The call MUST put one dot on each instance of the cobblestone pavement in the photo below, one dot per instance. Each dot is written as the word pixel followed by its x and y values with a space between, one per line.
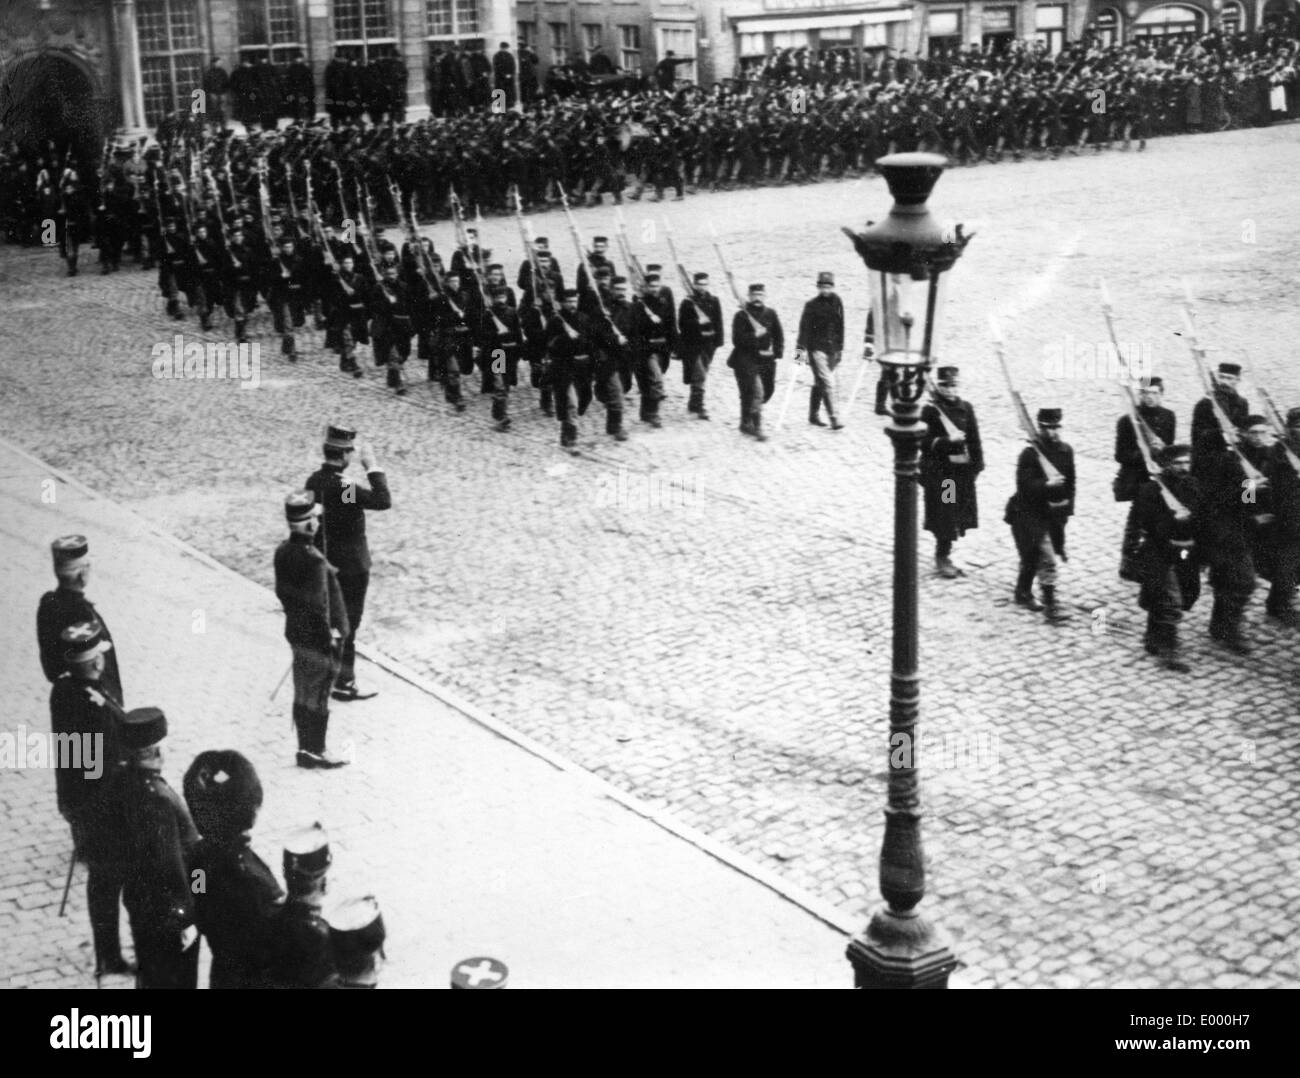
pixel 472 845
pixel 704 621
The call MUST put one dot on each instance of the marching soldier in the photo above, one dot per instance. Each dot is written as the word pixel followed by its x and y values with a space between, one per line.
pixel 342 536
pixel 239 897
pixel 82 704
pixel 239 284
pixel 952 457
pixel 651 328
pixel 454 339
pixel 612 378
pixel 157 836
pixel 301 955
pixel 393 326
pixel 1207 437
pixel 821 339
pixel 1128 455
pixel 67 605
pixel 1166 517
pixel 499 341
pixel 173 267
pixel 1285 481
pixel 356 932
pixel 700 333
pixel 572 345
pixel 1236 508
pixel 347 323
pixel 286 288
pixel 205 274
pixel 757 344
pixel 315 624
pixel 1038 512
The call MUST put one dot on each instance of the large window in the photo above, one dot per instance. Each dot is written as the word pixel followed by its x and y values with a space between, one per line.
pixel 559 42
pixel 944 31
pixel 269 28
pixel 528 34
pixel 680 38
pixel 592 35
pixel 1049 26
pixel 1233 19
pixel 446 19
pixel 171 55
pixel 363 29
pixel 752 45
pixel 1107 27
pixel 629 52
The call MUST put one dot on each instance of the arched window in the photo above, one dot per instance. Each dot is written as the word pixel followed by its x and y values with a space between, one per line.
pixel 1233 19
pixel 1168 20
pixel 1108 27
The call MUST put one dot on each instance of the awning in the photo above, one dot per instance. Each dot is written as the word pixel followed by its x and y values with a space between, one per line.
pixel 819 22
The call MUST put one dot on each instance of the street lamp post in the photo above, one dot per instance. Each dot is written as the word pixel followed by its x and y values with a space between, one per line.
pixel 907 255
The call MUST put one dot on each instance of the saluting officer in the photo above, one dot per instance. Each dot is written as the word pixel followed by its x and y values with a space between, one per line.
pixel 757 343
pixel 67 605
pixel 301 955
pixel 952 457
pixel 342 536
pixel 83 705
pixel 1038 512
pixel 315 624
pixel 239 896
pixel 821 339
pixel 156 836
pixel 700 333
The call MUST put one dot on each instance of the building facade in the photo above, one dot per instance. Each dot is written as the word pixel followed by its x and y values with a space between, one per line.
pixel 633 34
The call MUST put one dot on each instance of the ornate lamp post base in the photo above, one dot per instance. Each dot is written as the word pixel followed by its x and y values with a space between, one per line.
pixel 900 950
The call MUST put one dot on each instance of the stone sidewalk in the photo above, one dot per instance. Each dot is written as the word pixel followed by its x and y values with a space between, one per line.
pixel 475 840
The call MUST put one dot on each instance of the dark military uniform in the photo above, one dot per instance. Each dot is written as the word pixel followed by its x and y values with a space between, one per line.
pixel 1285 481
pixel 949 470
pixel 156 835
pixel 238 895
pixel 59 609
pixel 1167 560
pixel 757 343
pixel 572 345
pixel 315 624
pixel 301 955
pixel 1037 514
pixel 701 332
pixel 342 538
pixel 821 337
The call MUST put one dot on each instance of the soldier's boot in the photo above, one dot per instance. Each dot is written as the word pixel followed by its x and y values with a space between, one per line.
pixel 174 308
pixel 1025 591
pixel 759 436
pixel 304 729
pixel 289 347
pixel 882 396
pixel 1052 607
pixel 1167 649
pixel 815 398
pixel 241 330
pixel 614 426
pixel 1151 639
pixel 102 900
pixel 205 319
pixel 943 561
pixel 500 413
pixel 547 403
pixel 568 435
pixel 324 758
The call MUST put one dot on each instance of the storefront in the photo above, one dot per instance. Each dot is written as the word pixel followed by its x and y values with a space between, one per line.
pixel 848 30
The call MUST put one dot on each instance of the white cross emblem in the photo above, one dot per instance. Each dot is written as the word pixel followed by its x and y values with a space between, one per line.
pixel 484 970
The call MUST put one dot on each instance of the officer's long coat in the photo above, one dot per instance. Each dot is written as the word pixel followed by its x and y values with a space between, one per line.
pixel 951 506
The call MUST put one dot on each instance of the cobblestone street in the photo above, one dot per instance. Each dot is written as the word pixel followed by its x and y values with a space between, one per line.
pixel 704 621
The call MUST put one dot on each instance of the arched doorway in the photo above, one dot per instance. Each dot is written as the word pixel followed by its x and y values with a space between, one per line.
pixel 49 98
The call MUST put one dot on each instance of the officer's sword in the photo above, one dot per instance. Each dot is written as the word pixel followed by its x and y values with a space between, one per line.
pixel 857 384
pixel 67 884
pixel 789 392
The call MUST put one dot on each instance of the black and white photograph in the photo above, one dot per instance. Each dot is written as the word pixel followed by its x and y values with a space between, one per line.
pixel 652 494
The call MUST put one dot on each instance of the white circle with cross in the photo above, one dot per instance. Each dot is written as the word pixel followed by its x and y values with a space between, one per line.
pixel 479 973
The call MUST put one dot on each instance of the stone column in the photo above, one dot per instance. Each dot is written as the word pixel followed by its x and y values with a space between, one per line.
pixel 130 83
pixel 412 34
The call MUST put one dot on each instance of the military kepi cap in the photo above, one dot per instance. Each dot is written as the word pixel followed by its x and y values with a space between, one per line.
pixel 300 506
pixel 569 293
pixel 340 437
pixel 356 934
pixel 84 640
pixel 307 852
pixel 757 289
pixel 946 376
pixel 700 278
pixel 1154 382
pixel 825 278
pixel 1230 368
pixel 142 727
pixel 1049 417
pixel 1171 453
pixel 70 551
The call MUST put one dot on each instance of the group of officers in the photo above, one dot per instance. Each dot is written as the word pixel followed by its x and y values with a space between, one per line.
pixel 183 866
pixel 1226 501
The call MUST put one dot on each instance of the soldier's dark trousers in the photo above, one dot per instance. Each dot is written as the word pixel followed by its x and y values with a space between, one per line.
pixel 354 588
pixel 1164 612
pixel 650 384
pixel 567 384
pixel 314 674
pixel 160 962
pixel 1286 569
pixel 749 381
pixel 695 372
pixel 609 391
pixel 104 882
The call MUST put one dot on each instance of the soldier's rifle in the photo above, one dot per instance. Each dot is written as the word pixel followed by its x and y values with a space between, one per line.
pixel 578 245
pixel 264 201
pixel 541 283
pixel 1050 471
pixel 422 256
pixel 293 205
pixel 759 328
pixel 1148 445
pixel 1231 436
pixel 367 240
pixel 950 429
pixel 1279 427
pixel 1147 438
pixel 633 263
pixel 687 283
